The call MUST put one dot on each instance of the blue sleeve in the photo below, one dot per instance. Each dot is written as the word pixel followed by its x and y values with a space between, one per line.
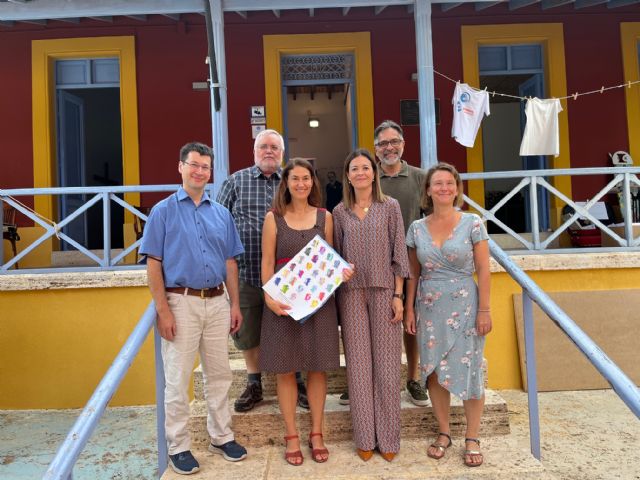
pixel 154 232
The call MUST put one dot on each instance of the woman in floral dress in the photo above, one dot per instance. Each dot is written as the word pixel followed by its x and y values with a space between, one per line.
pixel 449 312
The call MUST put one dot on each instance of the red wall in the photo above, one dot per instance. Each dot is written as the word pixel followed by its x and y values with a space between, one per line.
pixel 171 56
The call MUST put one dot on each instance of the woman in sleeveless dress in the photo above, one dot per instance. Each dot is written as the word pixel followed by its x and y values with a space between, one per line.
pixel 287 346
pixel 447 309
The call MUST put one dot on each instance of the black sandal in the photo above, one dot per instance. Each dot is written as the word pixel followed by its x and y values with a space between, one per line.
pixel 440 446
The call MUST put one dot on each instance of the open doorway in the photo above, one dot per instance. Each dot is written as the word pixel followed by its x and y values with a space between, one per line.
pixel 89 144
pixel 514 70
pixel 319 113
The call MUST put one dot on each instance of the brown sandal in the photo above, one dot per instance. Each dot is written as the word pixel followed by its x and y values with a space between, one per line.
pixel 289 456
pixel 316 452
pixel 441 447
pixel 468 453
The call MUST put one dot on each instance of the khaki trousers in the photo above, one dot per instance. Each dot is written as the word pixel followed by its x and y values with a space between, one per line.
pixel 202 325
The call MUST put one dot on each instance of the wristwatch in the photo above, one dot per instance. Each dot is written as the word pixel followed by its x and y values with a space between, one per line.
pixel 398 295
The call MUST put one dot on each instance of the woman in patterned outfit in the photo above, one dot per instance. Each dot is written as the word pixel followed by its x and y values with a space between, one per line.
pixel 286 346
pixel 369 233
pixel 451 312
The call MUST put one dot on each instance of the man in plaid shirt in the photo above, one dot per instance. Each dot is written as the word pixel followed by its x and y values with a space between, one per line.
pixel 248 195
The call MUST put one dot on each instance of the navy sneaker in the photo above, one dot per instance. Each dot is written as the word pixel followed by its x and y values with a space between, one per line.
pixel 184 463
pixel 232 451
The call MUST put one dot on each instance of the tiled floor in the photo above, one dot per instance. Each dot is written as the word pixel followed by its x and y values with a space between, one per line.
pixel 123 446
pixel 585 436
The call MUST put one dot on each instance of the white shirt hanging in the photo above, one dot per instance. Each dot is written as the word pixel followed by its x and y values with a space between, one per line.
pixel 469 107
pixel 541 136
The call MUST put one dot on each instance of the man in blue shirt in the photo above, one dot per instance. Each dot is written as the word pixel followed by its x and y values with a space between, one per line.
pixel 190 243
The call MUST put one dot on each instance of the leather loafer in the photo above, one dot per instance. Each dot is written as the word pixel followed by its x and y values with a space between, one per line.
pixel 388 456
pixel 365 455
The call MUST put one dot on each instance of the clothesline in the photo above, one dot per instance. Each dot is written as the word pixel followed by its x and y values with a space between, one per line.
pixel 574 95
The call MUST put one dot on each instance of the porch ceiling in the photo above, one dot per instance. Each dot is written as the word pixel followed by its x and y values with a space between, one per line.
pixel 40 11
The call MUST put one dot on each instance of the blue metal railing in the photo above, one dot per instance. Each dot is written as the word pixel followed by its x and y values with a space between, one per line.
pixel 624 182
pixel 621 384
pixel 62 464
pixel 103 195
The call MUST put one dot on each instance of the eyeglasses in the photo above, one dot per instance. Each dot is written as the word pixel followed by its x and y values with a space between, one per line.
pixel 394 142
pixel 197 166
pixel 273 148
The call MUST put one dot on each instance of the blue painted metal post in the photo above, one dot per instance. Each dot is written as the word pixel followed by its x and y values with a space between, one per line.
pixel 627 213
pixel 106 230
pixel 1 242
pixel 219 118
pixel 163 454
pixel 426 96
pixel 535 223
pixel 532 381
pixel 621 383
pixel 68 453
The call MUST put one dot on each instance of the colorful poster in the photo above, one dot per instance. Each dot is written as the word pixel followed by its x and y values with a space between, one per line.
pixel 307 280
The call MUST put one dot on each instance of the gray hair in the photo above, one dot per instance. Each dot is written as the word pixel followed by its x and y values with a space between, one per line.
pixel 387 124
pixel 264 133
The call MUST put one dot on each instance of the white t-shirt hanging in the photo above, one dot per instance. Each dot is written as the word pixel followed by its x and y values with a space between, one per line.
pixel 541 135
pixel 469 107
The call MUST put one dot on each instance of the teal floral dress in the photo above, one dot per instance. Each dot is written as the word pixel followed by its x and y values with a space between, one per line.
pixel 446 305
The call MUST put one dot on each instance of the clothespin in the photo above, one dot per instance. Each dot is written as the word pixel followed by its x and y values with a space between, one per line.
pixel 602 89
pixel 493 94
pixel 629 84
pixel 575 96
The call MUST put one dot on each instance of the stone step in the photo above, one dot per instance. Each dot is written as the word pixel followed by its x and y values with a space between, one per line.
pixel 233 351
pixel 263 425
pixel 336 379
pixel 502 461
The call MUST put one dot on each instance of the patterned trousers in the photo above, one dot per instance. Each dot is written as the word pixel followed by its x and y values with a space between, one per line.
pixel 373 349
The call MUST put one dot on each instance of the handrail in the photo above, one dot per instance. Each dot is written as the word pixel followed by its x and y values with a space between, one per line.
pixel 68 453
pixel 624 387
pixel 624 178
pixel 62 464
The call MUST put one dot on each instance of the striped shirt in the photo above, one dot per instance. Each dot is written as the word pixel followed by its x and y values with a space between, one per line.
pixel 248 195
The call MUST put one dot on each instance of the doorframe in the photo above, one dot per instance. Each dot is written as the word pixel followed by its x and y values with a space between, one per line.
pixel 630 38
pixel 44 53
pixel 551 36
pixel 357 43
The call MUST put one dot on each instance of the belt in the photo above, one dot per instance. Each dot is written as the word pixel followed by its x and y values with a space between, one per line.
pixel 202 292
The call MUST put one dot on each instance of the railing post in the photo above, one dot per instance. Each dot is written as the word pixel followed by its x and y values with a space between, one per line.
pixel 532 382
pixel 535 223
pixel 106 229
pixel 163 454
pixel 628 215
pixel 2 242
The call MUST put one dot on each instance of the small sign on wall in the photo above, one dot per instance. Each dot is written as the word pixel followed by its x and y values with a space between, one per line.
pixel 257 111
pixel 256 129
pixel 410 112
